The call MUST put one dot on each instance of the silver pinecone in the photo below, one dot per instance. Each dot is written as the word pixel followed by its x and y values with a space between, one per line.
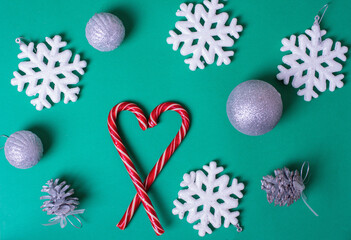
pixel 285 188
pixel 60 203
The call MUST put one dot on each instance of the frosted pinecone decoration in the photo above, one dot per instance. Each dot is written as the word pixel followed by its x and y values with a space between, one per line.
pixel 208 199
pixel 286 187
pixel 283 189
pixel 60 203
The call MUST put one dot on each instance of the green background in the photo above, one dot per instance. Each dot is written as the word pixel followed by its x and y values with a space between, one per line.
pixel 145 70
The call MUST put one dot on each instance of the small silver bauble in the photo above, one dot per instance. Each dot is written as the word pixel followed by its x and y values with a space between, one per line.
pixel 23 149
pixel 254 107
pixel 105 32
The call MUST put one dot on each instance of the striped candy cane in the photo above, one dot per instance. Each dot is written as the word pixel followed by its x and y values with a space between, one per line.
pixel 168 106
pixel 112 127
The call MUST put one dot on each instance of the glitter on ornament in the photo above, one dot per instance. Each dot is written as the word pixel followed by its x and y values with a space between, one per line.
pixel 105 32
pixel 204 34
pixel 23 149
pixel 211 194
pixel 254 107
pixel 48 73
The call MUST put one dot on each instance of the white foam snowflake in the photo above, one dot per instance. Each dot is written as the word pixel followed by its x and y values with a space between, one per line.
pixel 204 34
pixel 312 62
pixel 212 195
pixel 48 72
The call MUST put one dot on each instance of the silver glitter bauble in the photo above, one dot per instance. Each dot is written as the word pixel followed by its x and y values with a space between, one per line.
pixel 23 149
pixel 254 107
pixel 105 32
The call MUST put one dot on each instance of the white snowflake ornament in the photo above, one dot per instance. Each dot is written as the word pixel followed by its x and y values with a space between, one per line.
pixel 204 34
pixel 48 72
pixel 208 198
pixel 312 62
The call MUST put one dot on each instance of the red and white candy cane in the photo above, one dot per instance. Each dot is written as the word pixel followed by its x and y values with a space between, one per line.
pixel 168 106
pixel 112 127
pixel 141 189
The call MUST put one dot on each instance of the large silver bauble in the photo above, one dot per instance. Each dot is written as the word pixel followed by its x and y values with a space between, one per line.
pixel 23 149
pixel 254 107
pixel 105 32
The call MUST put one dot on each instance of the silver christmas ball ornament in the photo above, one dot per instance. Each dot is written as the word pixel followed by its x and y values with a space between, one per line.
pixel 254 107
pixel 23 149
pixel 105 32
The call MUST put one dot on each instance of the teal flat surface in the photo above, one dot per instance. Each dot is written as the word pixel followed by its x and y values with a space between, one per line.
pixel 145 70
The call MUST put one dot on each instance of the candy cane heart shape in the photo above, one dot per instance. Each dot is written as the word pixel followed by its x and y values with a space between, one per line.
pixel 155 114
pixel 112 127
pixel 164 157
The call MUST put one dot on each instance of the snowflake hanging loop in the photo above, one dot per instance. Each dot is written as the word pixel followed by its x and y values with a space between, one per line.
pixel 204 34
pixel 312 62
pixel 48 72
pixel 212 194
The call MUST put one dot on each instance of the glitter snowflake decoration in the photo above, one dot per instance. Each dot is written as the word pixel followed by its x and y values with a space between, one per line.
pixel 312 62
pixel 208 199
pixel 204 34
pixel 48 72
